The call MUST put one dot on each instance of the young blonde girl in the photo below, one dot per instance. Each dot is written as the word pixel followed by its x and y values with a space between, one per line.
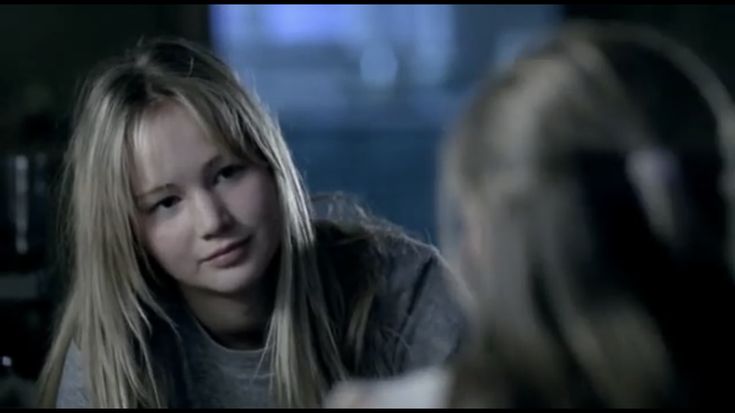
pixel 199 277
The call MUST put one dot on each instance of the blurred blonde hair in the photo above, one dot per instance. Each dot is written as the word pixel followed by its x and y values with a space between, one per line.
pixel 515 216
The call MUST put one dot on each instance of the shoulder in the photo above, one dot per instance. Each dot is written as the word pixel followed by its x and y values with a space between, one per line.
pixel 409 263
pixel 395 261
pixel 415 320
pixel 415 286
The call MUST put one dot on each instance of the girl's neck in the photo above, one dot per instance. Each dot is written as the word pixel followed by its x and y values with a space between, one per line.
pixel 235 321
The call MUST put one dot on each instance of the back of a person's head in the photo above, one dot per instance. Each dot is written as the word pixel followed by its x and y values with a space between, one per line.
pixel 586 179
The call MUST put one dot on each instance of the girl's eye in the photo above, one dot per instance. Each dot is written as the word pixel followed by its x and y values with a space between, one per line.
pixel 166 203
pixel 229 172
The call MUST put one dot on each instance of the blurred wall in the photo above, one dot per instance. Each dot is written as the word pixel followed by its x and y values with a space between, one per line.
pixel 376 140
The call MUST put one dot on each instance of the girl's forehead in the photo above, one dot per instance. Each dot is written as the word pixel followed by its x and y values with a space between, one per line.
pixel 167 125
pixel 167 138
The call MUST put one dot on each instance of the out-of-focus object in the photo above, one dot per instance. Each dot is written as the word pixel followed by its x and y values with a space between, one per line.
pixel 426 388
pixel 14 391
pixel 24 210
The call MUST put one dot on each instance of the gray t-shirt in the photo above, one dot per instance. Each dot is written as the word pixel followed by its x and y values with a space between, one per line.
pixel 416 323
pixel 214 376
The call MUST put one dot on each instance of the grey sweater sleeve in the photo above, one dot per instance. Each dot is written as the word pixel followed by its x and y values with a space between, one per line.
pixel 420 322
pixel 433 328
pixel 72 391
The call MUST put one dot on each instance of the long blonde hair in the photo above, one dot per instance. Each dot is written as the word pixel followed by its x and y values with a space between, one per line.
pixel 568 304
pixel 110 308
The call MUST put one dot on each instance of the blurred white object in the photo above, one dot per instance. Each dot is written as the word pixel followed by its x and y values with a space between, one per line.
pixel 426 388
pixel 15 391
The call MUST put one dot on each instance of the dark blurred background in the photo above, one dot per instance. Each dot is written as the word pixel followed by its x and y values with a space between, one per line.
pixel 363 94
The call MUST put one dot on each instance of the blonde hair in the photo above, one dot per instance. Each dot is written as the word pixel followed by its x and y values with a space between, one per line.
pixel 513 220
pixel 109 309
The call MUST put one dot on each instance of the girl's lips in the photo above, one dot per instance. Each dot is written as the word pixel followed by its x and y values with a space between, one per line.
pixel 229 255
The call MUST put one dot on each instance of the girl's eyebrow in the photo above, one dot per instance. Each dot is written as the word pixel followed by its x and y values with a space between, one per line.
pixel 159 188
pixel 210 164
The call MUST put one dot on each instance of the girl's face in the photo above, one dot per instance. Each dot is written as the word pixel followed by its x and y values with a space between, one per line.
pixel 212 221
